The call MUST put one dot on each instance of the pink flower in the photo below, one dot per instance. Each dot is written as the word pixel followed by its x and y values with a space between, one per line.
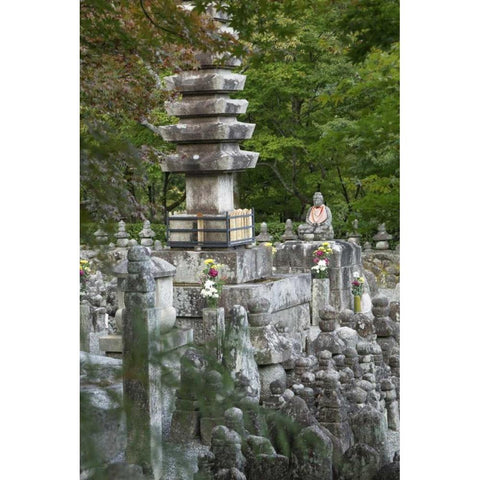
pixel 212 272
pixel 320 254
pixel 316 260
pixel 326 261
pixel 82 273
pixel 356 283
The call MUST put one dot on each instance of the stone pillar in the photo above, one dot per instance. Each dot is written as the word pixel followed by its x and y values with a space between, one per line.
pixel 320 297
pixel 141 380
pixel 85 327
pixel 268 346
pixel 186 417
pixel 213 330
pixel 385 328
pixel 238 350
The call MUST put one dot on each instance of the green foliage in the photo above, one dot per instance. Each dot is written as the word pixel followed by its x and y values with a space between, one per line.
pixel 323 91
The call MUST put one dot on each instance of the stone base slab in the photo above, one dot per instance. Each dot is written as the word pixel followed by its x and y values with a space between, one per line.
pixel 239 266
pixel 289 297
pixel 282 291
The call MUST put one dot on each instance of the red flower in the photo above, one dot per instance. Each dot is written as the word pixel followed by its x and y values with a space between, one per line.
pixel 356 283
pixel 320 254
pixel 212 272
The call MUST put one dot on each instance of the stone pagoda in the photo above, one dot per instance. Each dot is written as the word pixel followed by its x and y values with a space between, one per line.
pixel 208 153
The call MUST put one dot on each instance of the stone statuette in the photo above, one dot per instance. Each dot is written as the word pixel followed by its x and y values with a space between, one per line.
pixel 318 221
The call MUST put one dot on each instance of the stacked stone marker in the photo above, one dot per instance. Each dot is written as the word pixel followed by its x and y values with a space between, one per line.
pixel 141 380
pixel 208 134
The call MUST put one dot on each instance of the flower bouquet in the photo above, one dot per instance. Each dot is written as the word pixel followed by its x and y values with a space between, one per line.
pixel 270 245
pixel 84 273
pixel 211 283
pixel 357 291
pixel 320 259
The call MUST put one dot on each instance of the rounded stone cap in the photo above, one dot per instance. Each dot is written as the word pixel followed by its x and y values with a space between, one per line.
pixel 386 385
pixel 223 435
pixel 325 354
pixel 138 253
pixel 276 387
pixel 258 305
pixel 288 394
pixel 233 417
pixel 364 348
pixel 302 362
pixel 380 300
pixel 328 313
pixel 345 315
pixel 308 377
pixel 160 268
pixel 213 378
pixel 350 352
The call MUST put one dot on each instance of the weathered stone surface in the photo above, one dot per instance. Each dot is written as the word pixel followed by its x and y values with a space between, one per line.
pixel 223 157
pixel 238 266
pixel 391 471
pixel 226 446
pixel 282 291
pixel 211 131
pixel 329 341
pixel 369 427
pixel 320 297
pixel 312 455
pixel 120 471
pixel 104 423
pixel 269 348
pixel 213 329
pixel 394 312
pixel 259 305
pixel 349 336
pixel 198 106
pixel 230 474
pixel 361 462
pixel 99 370
pixel 385 327
pixel 238 350
pixel 289 234
pixel 211 81
pixel 269 374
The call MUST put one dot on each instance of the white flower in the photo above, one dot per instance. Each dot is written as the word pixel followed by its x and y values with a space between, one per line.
pixel 209 284
pixel 322 263
pixel 356 275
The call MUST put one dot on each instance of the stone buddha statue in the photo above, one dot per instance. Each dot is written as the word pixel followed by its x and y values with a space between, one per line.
pixel 318 221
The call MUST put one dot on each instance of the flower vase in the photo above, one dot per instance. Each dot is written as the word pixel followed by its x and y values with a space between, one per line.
pixel 212 302
pixel 320 297
pixel 357 304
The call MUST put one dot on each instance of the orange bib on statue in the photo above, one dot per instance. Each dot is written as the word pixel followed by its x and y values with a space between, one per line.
pixel 318 214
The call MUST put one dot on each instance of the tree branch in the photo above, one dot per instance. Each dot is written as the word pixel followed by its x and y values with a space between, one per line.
pixel 166 30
